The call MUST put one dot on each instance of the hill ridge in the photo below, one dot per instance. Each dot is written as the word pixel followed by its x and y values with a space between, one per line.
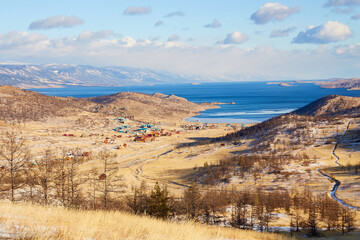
pixel 331 105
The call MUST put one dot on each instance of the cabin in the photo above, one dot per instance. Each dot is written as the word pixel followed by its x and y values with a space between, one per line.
pixel 85 154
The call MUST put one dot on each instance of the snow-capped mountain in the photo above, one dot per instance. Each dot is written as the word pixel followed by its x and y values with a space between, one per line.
pixel 64 75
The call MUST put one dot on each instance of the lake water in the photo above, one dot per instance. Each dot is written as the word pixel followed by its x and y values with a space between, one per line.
pixel 254 101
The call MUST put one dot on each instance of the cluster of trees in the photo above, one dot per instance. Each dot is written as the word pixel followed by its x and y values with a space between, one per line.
pixel 296 127
pixel 56 180
pixel 244 209
pixel 60 181
pixel 273 125
pixel 244 166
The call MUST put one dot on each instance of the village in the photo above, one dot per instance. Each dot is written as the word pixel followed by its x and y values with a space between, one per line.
pixel 127 130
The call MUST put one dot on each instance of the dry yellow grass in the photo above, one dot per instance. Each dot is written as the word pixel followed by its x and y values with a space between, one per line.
pixel 26 221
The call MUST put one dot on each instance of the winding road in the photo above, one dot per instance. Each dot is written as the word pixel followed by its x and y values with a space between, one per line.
pixel 337 183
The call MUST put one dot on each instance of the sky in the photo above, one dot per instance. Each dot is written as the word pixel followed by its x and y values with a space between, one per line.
pixel 284 40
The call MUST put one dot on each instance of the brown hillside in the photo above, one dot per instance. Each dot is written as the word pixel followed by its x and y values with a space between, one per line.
pixel 22 105
pixel 152 107
pixel 331 105
pixel 351 83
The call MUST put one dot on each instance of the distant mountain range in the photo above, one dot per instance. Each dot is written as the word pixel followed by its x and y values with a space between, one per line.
pixel 64 75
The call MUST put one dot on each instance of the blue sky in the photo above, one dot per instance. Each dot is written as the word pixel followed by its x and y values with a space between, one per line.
pixel 251 39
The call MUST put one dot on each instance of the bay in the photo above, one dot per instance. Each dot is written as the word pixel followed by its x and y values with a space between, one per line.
pixel 254 101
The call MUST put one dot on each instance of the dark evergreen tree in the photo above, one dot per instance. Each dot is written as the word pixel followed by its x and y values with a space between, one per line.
pixel 158 203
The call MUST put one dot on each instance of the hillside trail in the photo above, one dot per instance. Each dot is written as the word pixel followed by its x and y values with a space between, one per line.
pixel 337 183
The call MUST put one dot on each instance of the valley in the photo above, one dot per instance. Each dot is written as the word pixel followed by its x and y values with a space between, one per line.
pixel 137 141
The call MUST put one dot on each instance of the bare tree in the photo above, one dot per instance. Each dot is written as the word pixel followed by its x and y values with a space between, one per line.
pixel 137 200
pixel 239 216
pixel 68 180
pixel 93 186
pixel 347 219
pixel 111 183
pixel 192 201
pixel 61 178
pixel 45 175
pixel 313 220
pixel 74 180
pixel 31 182
pixel 15 157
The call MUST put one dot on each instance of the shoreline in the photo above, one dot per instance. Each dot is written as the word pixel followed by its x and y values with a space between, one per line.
pixel 194 119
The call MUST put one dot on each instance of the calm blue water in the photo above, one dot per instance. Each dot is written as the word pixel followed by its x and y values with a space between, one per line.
pixel 254 101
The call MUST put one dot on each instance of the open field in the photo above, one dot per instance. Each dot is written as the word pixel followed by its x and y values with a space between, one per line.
pixel 153 161
pixel 163 160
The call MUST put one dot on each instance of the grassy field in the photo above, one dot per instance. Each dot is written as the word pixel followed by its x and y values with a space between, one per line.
pixel 26 221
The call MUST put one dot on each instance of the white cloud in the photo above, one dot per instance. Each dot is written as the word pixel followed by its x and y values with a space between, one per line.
pixel 21 39
pixel 137 10
pixel 352 50
pixel 332 31
pixel 127 42
pixel 214 24
pixel 55 22
pixel 173 38
pixel 355 17
pixel 281 33
pixel 176 56
pixel 273 11
pixel 235 38
pixel 159 23
pixel 91 36
pixel 175 14
pixel 336 3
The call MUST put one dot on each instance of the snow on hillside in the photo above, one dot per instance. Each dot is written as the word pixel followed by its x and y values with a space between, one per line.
pixel 63 75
